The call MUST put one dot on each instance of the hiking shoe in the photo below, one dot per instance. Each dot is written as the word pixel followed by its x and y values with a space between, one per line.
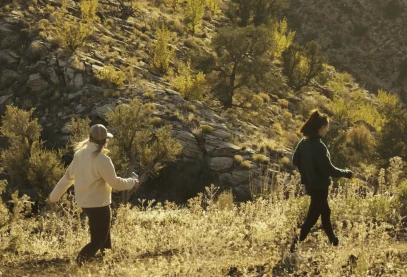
pixel 334 241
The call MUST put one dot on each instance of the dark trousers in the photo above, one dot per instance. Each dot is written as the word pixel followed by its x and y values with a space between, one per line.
pixel 99 225
pixel 318 207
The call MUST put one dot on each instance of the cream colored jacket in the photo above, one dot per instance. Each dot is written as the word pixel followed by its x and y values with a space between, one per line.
pixel 93 178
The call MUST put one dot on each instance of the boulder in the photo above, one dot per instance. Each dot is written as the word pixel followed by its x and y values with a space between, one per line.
pixel 78 80
pixel 8 59
pixel 220 164
pixel 4 98
pixel 190 147
pixel 235 178
pixel 7 77
pixel 74 95
pixel 36 82
pixel 219 148
pixel 100 111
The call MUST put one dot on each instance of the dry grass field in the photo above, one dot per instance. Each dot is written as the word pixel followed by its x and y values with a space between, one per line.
pixel 212 236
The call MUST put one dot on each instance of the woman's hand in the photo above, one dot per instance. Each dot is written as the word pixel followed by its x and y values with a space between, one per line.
pixel 136 183
pixel 135 177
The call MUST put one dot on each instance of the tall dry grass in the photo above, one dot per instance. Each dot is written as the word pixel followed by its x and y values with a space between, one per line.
pixel 221 239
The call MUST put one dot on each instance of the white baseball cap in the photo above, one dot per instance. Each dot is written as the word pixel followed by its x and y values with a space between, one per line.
pixel 99 132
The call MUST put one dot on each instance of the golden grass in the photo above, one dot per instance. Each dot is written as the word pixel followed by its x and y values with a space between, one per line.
pixel 249 239
pixel 260 158
pixel 167 240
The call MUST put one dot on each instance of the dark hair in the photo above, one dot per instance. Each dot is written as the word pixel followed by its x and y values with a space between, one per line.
pixel 314 123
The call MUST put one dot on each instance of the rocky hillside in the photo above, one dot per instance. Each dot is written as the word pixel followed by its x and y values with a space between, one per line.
pixel 365 38
pixel 35 73
pixel 240 148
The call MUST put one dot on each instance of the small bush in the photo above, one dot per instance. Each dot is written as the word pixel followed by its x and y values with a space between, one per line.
pixel 239 159
pixel 277 128
pixel 283 103
pixel 266 98
pixel 213 5
pixel 287 116
pixel 260 158
pixel 26 162
pixel 285 162
pixel 246 165
pixel 43 24
pixel 172 4
pixel 190 85
pixel 162 52
pixel 302 63
pixel 176 116
pixel 193 43
pixel 194 12
pixel 380 208
pixel 149 94
pixel 72 32
pixel 225 200
pixel 191 117
pixel 190 107
pixel 206 128
pixel 361 139
pixel 401 198
pixel 111 76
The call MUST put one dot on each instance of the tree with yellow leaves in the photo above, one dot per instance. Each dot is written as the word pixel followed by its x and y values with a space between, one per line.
pixel 193 14
pixel 188 84
pixel 162 51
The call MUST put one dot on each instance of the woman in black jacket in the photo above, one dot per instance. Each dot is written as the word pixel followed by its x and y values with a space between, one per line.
pixel 312 158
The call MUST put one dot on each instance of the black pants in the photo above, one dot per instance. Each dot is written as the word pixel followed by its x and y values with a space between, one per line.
pixel 99 225
pixel 318 207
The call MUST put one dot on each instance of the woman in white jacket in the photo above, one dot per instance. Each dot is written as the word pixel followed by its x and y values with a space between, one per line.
pixel 93 176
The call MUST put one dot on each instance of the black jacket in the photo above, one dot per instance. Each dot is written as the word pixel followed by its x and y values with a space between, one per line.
pixel 312 158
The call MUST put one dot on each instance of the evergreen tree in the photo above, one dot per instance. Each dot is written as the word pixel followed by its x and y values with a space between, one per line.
pixel 243 58
pixel 302 64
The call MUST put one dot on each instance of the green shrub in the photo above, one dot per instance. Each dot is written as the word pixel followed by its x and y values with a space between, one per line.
pixel 162 52
pixel 283 103
pixel 361 139
pixel 172 4
pixel 225 200
pixel 380 208
pixel 26 162
pixel 194 12
pixel 266 98
pixel 302 64
pixel 111 76
pixel 72 32
pixel 401 199
pixel 134 132
pixel 260 158
pixel 190 85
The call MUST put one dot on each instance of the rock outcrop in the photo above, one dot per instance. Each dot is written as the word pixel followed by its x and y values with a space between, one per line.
pixel 61 86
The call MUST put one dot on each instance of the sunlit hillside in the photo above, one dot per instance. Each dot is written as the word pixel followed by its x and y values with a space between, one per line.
pixel 205 99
